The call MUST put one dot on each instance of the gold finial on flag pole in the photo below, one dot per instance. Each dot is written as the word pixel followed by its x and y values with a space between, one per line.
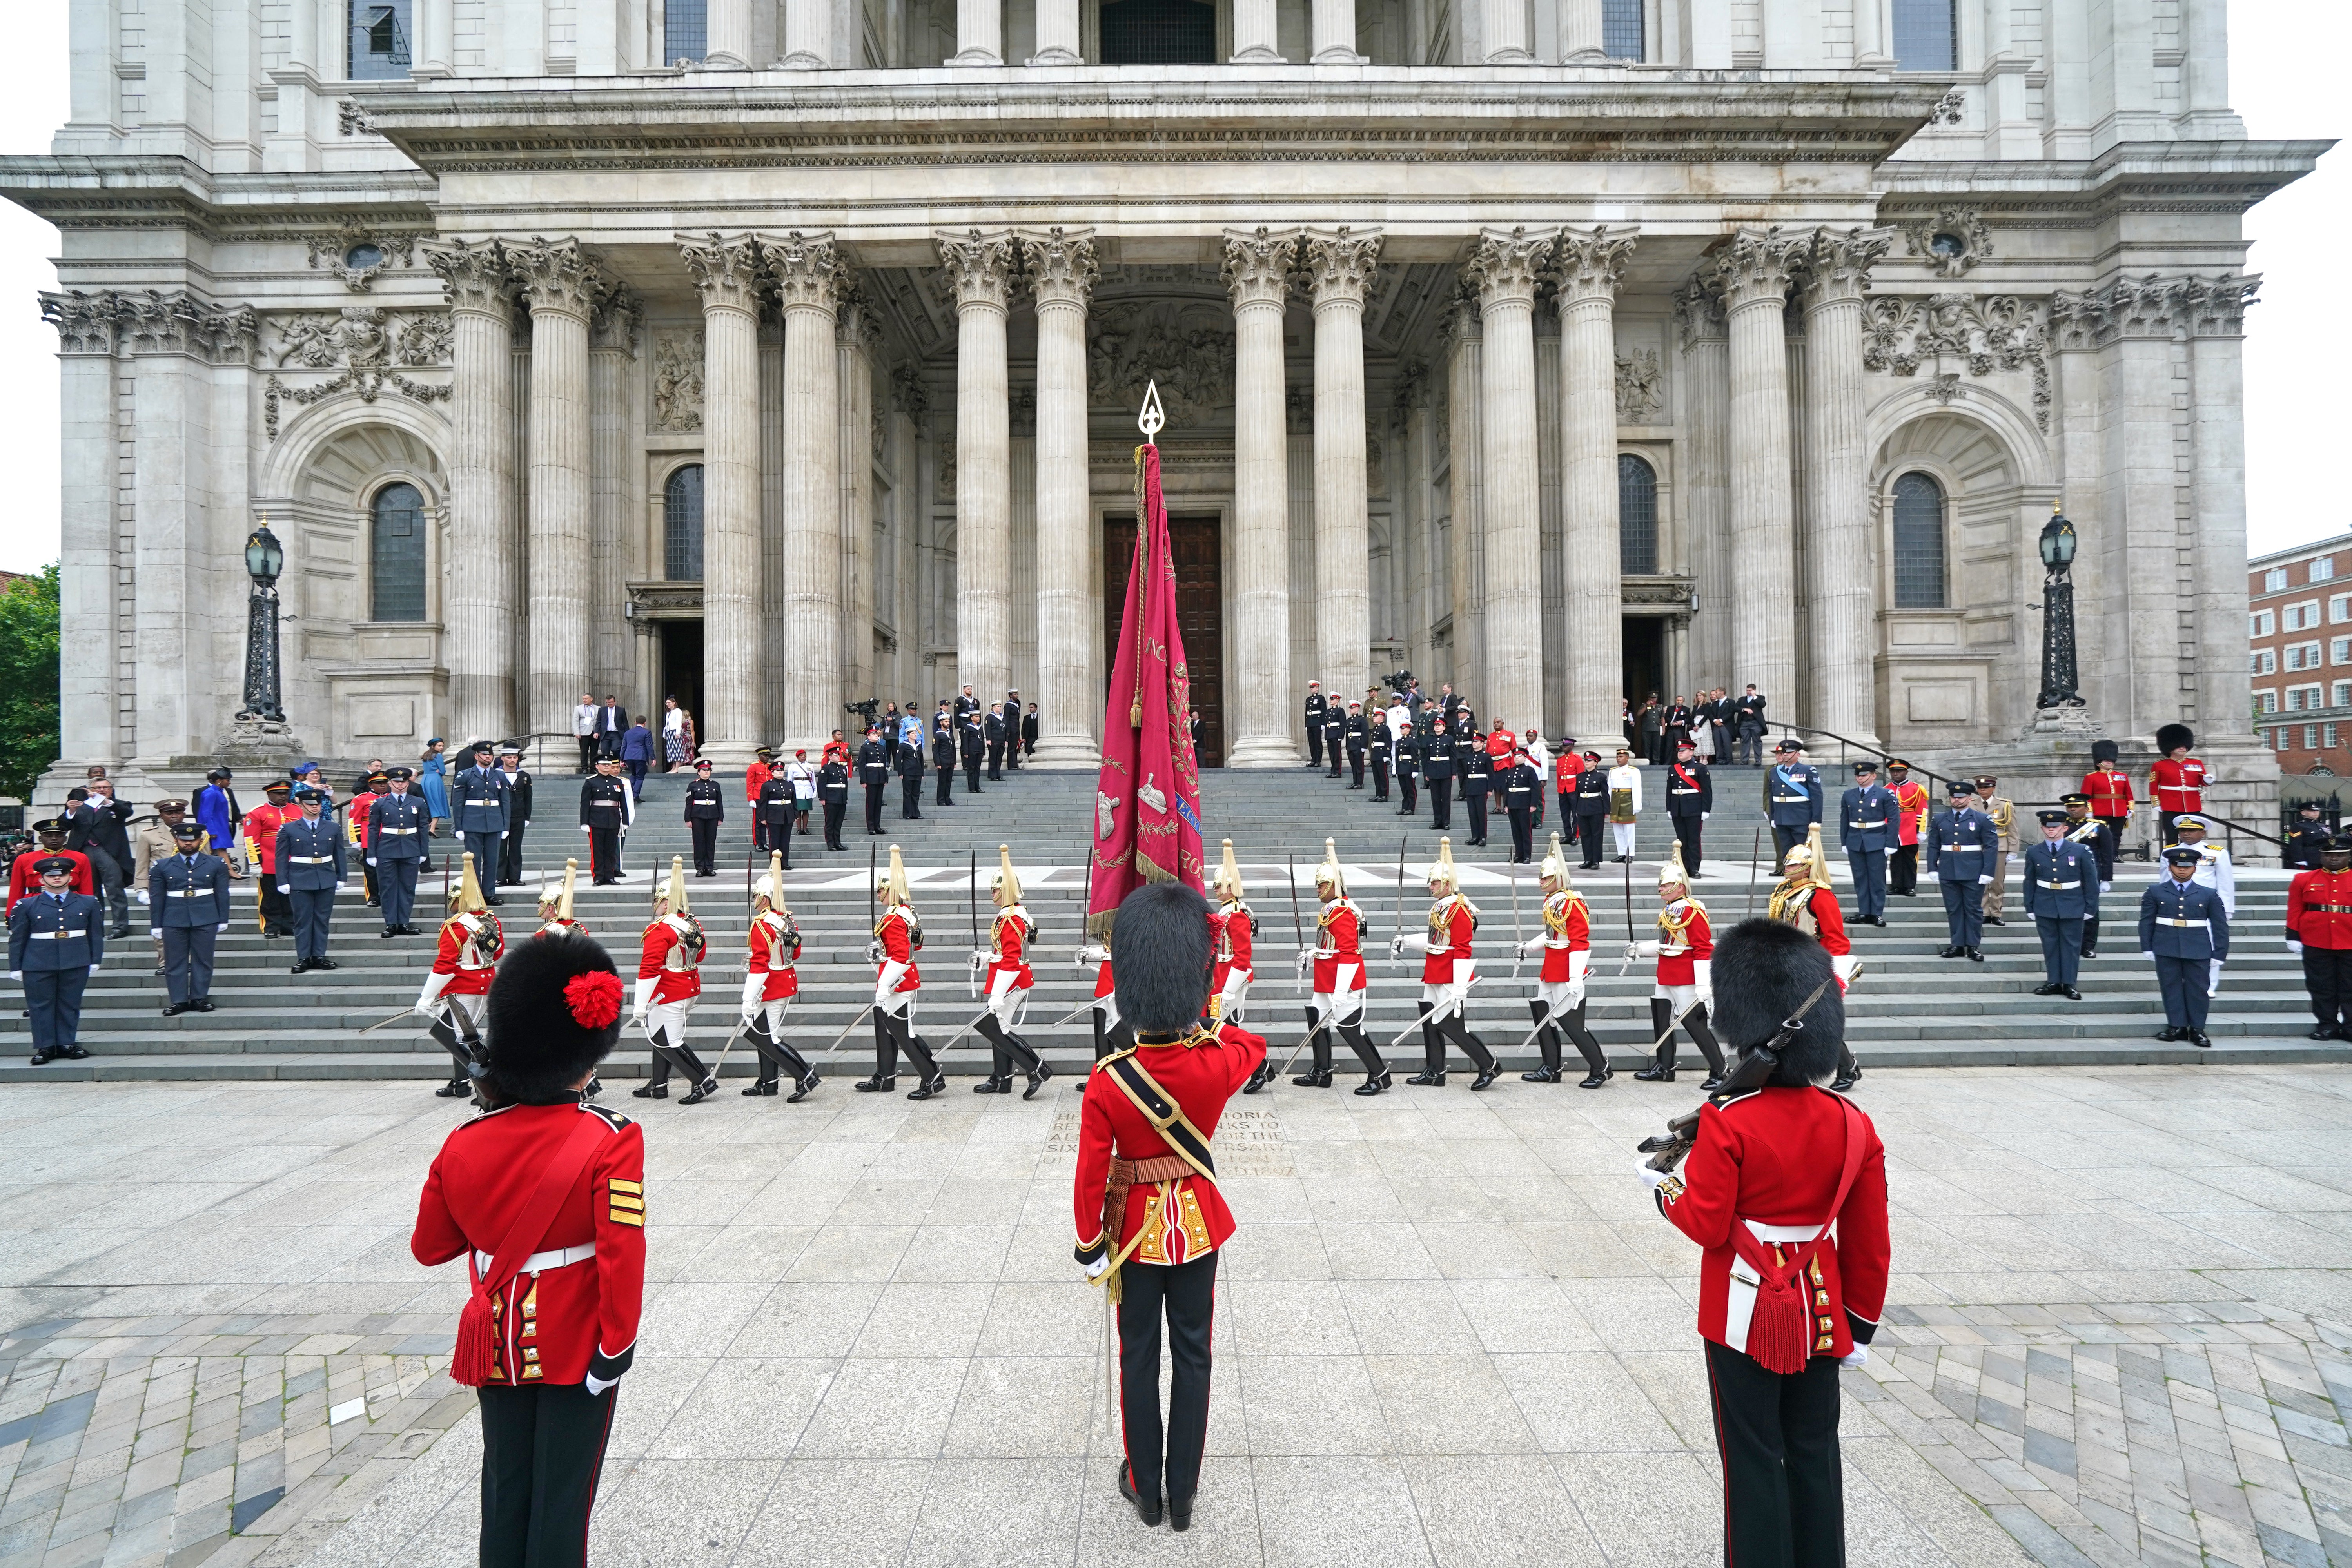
pixel 1152 416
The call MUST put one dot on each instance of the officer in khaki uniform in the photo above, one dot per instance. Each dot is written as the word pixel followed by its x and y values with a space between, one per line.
pixel 2002 811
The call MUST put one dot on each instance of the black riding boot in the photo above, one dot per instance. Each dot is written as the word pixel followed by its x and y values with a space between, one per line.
pixel 1705 1039
pixel 927 1070
pixel 1317 1076
pixel 1376 1071
pixel 886 1056
pixel 1458 1029
pixel 657 1084
pixel 1433 1053
pixel 1595 1058
pixel 1546 1042
pixel 691 1065
pixel 764 1053
pixel 1848 1071
pixel 1000 1058
pixel 1662 1067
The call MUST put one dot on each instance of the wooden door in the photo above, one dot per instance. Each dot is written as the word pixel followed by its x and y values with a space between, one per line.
pixel 1200 587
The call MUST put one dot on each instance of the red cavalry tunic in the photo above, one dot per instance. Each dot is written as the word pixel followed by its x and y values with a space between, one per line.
pixel 558 1323
pixel 1103 983
pixel 23 879
pixel 2110 790
pixel 1565 915
pixel 1341 944
pixel 1684 939
pixel 1187 1217
pixel 2174 786
pixel 670 960
pixel 895 933
pixel 1450 925
pixel 561 927
pixel 2319 910
pixel 1009 935
pixel 775 948
pixel 1773 1157
pixel 468 954
pixel 1232 932
pixel 1910 811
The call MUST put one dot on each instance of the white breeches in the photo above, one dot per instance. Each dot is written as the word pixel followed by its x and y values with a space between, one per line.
pixel 1444 999
pixel 774 1012
pixel 1350 1006
pixel 899 1005
pixel 1680 996
pixel 668 1020
pixel 1007 999
pixel 473 1004
pixel 1234 997
pixel 1559 995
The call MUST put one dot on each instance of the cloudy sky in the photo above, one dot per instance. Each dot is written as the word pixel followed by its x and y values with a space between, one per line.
pixel 2285 59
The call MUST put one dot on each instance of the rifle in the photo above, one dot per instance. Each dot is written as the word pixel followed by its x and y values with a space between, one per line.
pixel 1297 926
pixel 1755 1068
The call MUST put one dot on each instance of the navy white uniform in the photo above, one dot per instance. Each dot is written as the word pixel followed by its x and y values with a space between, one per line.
pixel 1961 845
pixel 1792 801
pixel 187 905
pixel 310 869
pixel 2061 892
pixel 481 805
pixel 54 943
pixel 2184 928
pixel 397 827
pixel 1867 828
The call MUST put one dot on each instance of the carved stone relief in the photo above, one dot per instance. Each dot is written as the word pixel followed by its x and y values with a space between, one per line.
pixel 1641 396
pixel 1952 241
pixel 678 381
pixel 1186 345
pixel 356 253
pixel 369 345
pixel 1976 335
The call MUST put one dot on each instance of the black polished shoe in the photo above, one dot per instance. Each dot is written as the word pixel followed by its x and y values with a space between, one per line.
pixel 176 1008
pixel 992 1085
pixel 1260 1078
pixel 1994 921
pixel 1037 1079
pixel 453 1089
pixel 324 963
pixel 801 1090
pixel 765 1086
pixel 699 1092
pixel 877 1084
pixel 2048 988
pixel 202 1004
pixel 76 1054
pixel 1541 1075
pixel 2325 1032
pixel 650 1091
pixel 1710 1083
pixel 1657 1072
pixel 937 1086
pixel 1595 1081
pixel 1147 1512
pixel 1844 1082
pixel 1976 955
pixel 2196 1037
pixel 1486 1079
pixel 1433 1080
pixel 1180 1514
pixel 1952 952
pixel 1312 1079
pixel 2070 993
pixel 389 931
pixel 2168 1033
pixel 1373 1085
pixel 43 1058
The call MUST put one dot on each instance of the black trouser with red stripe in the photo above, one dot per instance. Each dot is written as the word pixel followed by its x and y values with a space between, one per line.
pixel 543 1450
pixel 1185 1294
pixel 1783 1496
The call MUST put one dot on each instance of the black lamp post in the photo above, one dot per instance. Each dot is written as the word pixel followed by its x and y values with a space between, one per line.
pixel 264 559
pixel 2058 681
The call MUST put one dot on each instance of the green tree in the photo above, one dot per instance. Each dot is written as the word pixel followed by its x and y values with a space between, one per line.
pixel 28 680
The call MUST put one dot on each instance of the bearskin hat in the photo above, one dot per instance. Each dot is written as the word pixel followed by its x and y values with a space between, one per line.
pixel 1763 973
pixel 2105 752
pixel 2173 736
pixel 554 1012
pixel 1160 955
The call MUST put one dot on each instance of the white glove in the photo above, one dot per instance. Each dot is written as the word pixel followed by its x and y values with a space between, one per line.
pixel 427 997
pixel 1861 1357
pixel 142 895
pixel 2294 947
pixel 222 927
pixel 1396 946
pixel 1530 947
pixel 2146 954
pixel 752 985
pixel 1704 814
pixel 1645 950
pixel 286 887
pixel 873 952
pixel 93 969
pixel 501 836
pixel 644 1002
pixel 1304 961
pixel 597 1385
pixel 1841 965
pixel 1650 1178
pixel 1096 1269
pixel 1985 880
pixel 2213 984
pixel 1703 972
pixel 16 974
pixel 1093 953
pixel 583 827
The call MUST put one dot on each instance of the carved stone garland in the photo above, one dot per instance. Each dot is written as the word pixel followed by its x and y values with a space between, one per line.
pixel 368 343
pixel 1981 335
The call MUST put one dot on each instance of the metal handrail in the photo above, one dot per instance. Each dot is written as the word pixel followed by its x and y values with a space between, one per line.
pixel 1883 754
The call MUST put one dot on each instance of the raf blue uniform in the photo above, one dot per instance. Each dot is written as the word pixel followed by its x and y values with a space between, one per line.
pixel 397 827
pixel 1961 848
pixel 54 944
pixel 482 805
pixel 187 898
pixel 2062 893
pixel 1792 801
pixel 2184 928
pixel 1867 827
pixel 310 870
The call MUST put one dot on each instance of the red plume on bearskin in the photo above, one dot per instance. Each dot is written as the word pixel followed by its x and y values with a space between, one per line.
pixel 594 998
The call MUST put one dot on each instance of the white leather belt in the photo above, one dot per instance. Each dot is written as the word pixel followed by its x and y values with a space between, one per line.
pixel 602 805
pixel 382 831
pixel 188 893
pixel 543 1262
pixel 2162 921
pixel 1790 799
pixel 1963 848
pixel 58 935
pixel 1859 826
pixel 2056 885
pixel 310 860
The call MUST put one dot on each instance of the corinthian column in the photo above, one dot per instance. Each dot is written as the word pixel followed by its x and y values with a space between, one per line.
pixel 1257 276
pixel 980 268
pixel 727 273
pixel 853 373
pixel 807 270
pixel 808 42
pixel 562 284
pixel 1588 268
pixel 1340 271
pixel 1753 271
pixel 1838 534
pixel 727 36
pixel 1062 272
pixel 482 567
pixel 1504 269
pixel 1706 400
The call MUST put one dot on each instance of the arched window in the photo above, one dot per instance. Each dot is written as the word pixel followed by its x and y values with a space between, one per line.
pixel 1620 29
pixel 1918 542
pixel 1926 36
pixel 1637 515
pixel 396 555
pixel 378 40
pixel 682 525
pixel 1159 33
pixel 686 31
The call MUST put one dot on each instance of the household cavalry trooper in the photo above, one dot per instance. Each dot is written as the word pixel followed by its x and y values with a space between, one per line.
pixel 897 937
pixel 706 809
pixel 1112 1033
pixel 1232 933
pixel 774 944
pixel 2094 834
pixel 397 826
pixel 482 801
pixel 1804 899
pixel 1960 847
pixel 309 870
pixel 187 901
pixel 2061 892
pixel 1478 771
pixel 1566 945
pixel 555 917
pixel 1381 747
pixel 463 963
pixel 2213 868
pixel 607 810
pixel 1792 795
pixel 1867 830
pixel 2319 932
pixel 2186 931
pixel 1317 707
pixel 1690 799
pixel 669 977
pixel 1447 972
pixel 1358 732
pixel 1010 979
pixel 1685 949
pixel 1336 1004
pixel 1911 803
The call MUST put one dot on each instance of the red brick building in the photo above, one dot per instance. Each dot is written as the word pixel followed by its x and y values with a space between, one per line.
pixel 2299 630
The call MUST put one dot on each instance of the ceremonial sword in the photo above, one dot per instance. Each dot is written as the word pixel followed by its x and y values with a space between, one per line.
pixel 1298 925
pixel 1631 940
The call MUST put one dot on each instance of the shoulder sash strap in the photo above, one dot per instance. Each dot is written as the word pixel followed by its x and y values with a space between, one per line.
pixel 1166 1116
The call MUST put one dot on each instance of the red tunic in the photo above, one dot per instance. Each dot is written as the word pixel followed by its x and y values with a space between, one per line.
pixel 1501 743
pixel 1910 811
pixel 466 955
pixel 1450 928
pixel 1828 923
pixel 895 935
pixel 2319 910
pixel 664 937
pixel 1774 1157
pixel 1008 937
pixel 1564 769
pixel 261 825
pixel 1678 956
pixel 1341 942
pixel 1565 915
pixel 548 1325
pixel 2175 787
pixel 362 804
pixel 775 948
pixel 1188 1215
pixel 1104 986
pixel 755 775
pixel 23 879
pixel 561 927
pixel 1233 931
pixel 2110 790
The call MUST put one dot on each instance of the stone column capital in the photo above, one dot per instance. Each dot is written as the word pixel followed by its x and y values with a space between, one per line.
pixel 853 311
pixel 1340 264
pixel 1838 262
pixel 1698 312
pixel 1756 266
pixel 1257 264
pixel 614 328
pixel 726 271
pixel 1060 263
pixel 85 322
pixel 979 268
pixel 1587 266
pixel 475 277
pixel 807 269
pixel 558 277
pixel 1507 264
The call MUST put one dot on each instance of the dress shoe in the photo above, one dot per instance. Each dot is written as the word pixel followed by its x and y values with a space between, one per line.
pixel 43 1058
pixel 1878 920
pixel 1710 1083
pixel 2048 988
pixel 453 1089
pixel 1037 1079
pixel 2325 1032
pixel 1847 1081
pixel 1952 952
pixel 1657 1072
pixel 1541 1075
pixel 1373 1085
pixel 301 967
pixel 1146 1510
pixel 1994 921
pixel 2168 1033
pixel 801 1090
pixel 1976 955
pixel 76 1054
pixel 1313 1079
pixel 1433 1080
pixel 1258 1080
pixel 699 1092
pixel 1486 1079
pixel 650 1091
pixel 1595 1080
pixel 2196 1037
pixel 202 1004
pixel 2071 994
pixel 175 1009
pixel 324 963
pixel 389 931
pixel 765 1086
pixel 493 898
pixel 877 1084
pixel 992 1085
pixel 930 1089
pixel 1180 1514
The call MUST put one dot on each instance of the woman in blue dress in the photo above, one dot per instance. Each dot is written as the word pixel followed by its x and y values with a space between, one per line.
pixel 435 778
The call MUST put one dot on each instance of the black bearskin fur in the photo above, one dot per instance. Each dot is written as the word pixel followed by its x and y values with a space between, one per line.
pixel 538 1050
pixel 1159 957
pixel 1763 973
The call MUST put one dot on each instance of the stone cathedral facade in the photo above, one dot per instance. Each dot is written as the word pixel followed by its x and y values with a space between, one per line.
pixel 775 353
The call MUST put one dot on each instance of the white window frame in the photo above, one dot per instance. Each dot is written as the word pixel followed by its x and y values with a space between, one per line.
pixel 2323 570
pixel 2302 615
pixel 2327 736
pixel 2266 700
pixel 2342 696
pixel 2264 624
pixel 2339 610
pixel 2279 738
pixel 2265 661
pixel 2275 580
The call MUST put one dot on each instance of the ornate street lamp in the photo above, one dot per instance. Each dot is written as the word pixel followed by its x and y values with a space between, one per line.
pixel 264 559
pixel 2059 679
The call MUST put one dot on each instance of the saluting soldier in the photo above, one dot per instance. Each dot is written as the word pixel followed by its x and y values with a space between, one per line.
pixel 1317 706
pixel 1408 769
pixel 1380 747
pixel 669 977
pixel 1792 795
pixel 1566 945
pixel 465 961
pixel 706 809
pixel 1690 800
pixel 1446 971
pixel 2319 932
pixel 2094 835
pixel 608 808
pixel 1007 983
pixel 482 804
pixel 897 937
pixel 1685 949
pixel 1911 803
pixel 1593 806
pixel 57 940
pixel 397 826
pixel 833 791
pixel 1805 900
pixel 2001 812
pixel 2186 931
pixel 1867 828
pixel 773 979
pixel 187 901
pixel 1960 847
pixel 874 771
pixel 1478 777
pixel 1233 926
pixel 1522 792
pixel 1437 767
pixel 1336 998
pixel 2061 892
pixel 310 871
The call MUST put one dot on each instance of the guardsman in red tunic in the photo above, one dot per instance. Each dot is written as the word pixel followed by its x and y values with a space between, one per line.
pixel 1337 1004
pixel 545 1198
pixel 762 765
pixel 1911 804
pixel 669 977
pixel 774 944
pixel 1565 766
pixel 1785 1188
pixel 1685 950
pixel 1447 972
pixel 2175 780
pixel 260 828
pixel 1234 925
pixel 1010 981
pixel 1150 1216
pixel 897 937
pixel 1566 946
pixel 467 956
pixel 1806 901
pixel 2109 789
pixel 22 881
pixel 2319 931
